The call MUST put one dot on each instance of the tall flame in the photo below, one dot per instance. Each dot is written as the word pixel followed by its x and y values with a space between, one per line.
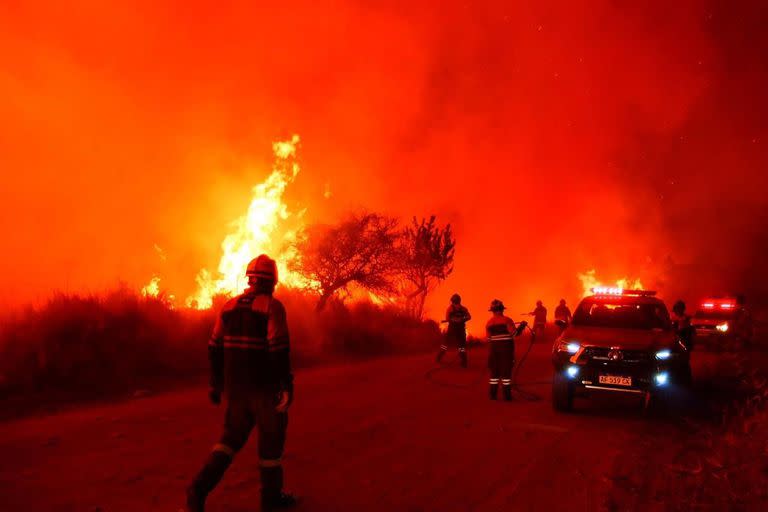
pixel 267 227
pixel 589 280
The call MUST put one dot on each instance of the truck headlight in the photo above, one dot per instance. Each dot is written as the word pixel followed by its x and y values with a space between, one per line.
pixel 723 327
pixel 663 355
pixel 568 346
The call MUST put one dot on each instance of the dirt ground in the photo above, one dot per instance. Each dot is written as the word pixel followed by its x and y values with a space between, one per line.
pixel 382 435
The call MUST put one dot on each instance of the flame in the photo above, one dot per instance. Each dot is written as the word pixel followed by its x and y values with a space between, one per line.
pixel 589 280
pixel 152 289
pixel 267 227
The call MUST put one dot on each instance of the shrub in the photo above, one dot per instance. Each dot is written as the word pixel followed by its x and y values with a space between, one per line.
pixel 81 346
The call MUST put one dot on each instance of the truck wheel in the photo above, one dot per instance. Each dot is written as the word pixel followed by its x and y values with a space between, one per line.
pixel 562 393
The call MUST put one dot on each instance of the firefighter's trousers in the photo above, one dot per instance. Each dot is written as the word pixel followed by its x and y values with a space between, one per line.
pixel 501 360
pixel 244 412
pixel 455 336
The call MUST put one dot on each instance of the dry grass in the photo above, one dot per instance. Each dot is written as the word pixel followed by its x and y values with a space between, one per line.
pixel 76 347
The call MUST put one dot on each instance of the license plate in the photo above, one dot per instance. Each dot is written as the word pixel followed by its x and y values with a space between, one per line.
pixel 615 380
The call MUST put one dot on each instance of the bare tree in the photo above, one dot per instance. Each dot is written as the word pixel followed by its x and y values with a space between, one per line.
pixel 361 250
pixel 428 252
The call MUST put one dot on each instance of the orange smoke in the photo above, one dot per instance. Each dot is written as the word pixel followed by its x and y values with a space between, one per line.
pixel 554 136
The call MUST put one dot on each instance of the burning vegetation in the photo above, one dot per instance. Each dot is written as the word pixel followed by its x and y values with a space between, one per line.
pixel 365 256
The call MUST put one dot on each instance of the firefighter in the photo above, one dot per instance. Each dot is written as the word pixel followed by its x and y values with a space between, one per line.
pixel 562 315
pixel 501 331
pixel 682 324
pixel 539 315
pixel 250 364
pixel 456 316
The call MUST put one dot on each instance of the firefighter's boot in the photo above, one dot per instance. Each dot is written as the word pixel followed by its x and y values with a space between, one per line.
pixel 272 495
pixel 493 390
pixel 507 390
pixel 206 480
pixel 463 357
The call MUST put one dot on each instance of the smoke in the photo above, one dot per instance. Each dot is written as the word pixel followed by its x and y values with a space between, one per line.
pixel 557 137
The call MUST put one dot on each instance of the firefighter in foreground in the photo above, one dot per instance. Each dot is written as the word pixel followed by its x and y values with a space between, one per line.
pixel 456 316
pixel 501 333
pixel 250 364
pixel 539 315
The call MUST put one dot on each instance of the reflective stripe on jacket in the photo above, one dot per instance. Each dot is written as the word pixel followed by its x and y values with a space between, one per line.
pixel 500 328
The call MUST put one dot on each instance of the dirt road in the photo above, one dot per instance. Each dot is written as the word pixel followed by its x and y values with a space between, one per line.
pixel 378 436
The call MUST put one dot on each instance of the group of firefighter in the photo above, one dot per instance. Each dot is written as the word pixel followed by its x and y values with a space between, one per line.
pixel 250 365
pixel 501 332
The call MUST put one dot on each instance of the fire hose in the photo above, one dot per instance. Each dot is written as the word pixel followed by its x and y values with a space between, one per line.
pixel 525 395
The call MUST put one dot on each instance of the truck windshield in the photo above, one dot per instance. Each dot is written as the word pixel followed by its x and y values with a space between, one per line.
pixel 621 315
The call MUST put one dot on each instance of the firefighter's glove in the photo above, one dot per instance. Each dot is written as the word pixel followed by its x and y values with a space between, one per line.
pixel 284 400
pixel 214 395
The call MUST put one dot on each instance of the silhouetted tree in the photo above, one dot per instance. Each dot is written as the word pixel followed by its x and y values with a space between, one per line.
pixel 361 250
pixel 428 252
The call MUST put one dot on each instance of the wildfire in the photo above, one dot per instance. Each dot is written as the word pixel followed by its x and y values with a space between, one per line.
pixel 152 289
pixel 267 227
pixel 589 280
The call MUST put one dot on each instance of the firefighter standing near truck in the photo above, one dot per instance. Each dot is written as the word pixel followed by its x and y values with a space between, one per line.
pixel 456 316
pixel 681 322
pixel 501 331
pixel 562 315
pixel 250 364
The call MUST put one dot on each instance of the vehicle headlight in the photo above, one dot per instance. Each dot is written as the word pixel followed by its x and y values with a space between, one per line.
pixel 569 346
pixel 723 327
pixel 663 355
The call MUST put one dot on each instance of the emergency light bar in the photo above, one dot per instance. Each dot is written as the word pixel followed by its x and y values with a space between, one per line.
pixel 605 290
pixel 618 291
pixel 722 304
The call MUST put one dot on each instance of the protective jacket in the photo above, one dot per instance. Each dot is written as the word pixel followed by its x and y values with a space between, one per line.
pixel 562 313
pixel 457 316
pixel 684 329
pixel 249 347
pixel 539 315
